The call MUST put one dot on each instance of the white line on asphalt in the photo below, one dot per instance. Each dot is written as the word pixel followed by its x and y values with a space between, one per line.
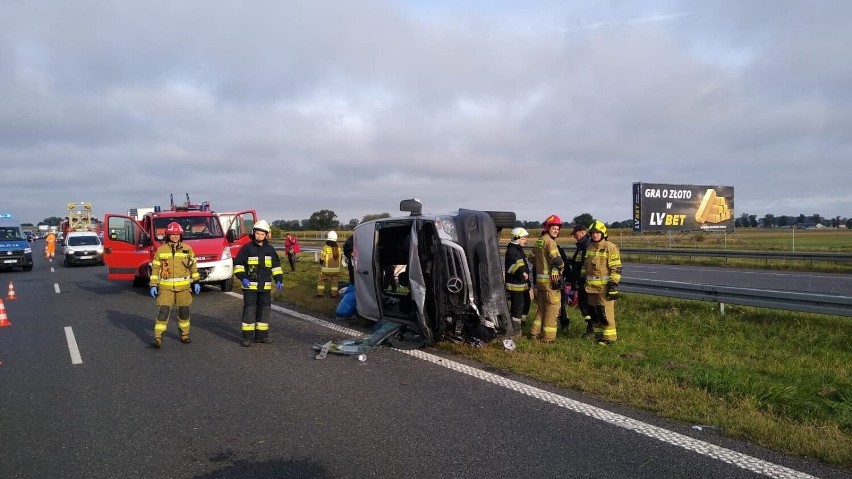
pixel 729 456
pixel 72 346
pixel 56 287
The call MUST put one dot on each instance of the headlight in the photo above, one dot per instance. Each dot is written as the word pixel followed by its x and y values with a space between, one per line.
pixel 28 251
pixel 101 250
pixel 226 253
pixel 446 223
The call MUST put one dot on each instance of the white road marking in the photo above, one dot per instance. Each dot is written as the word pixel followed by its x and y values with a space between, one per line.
pixel 52 270
pixel 72 346
pixel 729 456
pixel 56 287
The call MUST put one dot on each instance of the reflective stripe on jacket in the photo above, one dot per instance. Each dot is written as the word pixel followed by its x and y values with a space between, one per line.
pixel 546 261
pixel 174 267
pixel 516 266
pixel 602 265
pixel 328 263
pixel 259 264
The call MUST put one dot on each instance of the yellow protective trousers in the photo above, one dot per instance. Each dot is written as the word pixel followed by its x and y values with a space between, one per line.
pixel 546 315
pixel 165 301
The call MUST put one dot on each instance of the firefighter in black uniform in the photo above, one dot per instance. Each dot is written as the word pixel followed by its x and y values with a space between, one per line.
pixel 518 277
pixel 578 276
pixel 257 265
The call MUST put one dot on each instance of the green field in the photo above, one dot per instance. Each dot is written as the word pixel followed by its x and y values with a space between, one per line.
pixel 780 379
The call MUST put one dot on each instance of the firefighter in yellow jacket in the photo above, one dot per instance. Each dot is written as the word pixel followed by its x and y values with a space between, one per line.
pixel 329 266
pixel 603 273
pixel 173 273
pixel 548 265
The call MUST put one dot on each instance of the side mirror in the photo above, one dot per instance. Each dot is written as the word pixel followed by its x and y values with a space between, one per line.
pixel 144 239
pixel 413 206
pixel 231 236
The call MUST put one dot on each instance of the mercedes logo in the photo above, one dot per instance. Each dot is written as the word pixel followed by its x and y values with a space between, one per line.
pixel 454 285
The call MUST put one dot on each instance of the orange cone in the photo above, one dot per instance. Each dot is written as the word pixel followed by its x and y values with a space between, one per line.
pixel 4 320
pixel 11 294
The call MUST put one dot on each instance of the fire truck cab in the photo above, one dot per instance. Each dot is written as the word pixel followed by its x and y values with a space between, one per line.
pixel 129 244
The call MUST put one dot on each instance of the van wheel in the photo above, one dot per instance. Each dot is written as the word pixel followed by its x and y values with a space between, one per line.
pixel 227 285
pixel 503 219
pixel 137 282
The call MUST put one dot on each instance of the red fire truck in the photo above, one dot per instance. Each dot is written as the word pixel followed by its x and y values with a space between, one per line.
pixel 129 244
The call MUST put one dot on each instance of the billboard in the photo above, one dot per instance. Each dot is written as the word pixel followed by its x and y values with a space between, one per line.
pixel 661 207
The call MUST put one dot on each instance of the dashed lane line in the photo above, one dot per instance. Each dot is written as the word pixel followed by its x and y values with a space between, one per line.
pixel 72 346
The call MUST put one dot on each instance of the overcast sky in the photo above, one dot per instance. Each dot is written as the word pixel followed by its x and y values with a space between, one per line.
pixel 537 107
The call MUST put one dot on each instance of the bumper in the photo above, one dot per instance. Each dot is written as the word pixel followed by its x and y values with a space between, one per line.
pixel 16 261
pixel 84 259
pixel 216 271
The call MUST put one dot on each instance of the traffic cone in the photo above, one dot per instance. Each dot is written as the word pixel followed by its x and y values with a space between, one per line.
pixel 11 294
pixel 4 320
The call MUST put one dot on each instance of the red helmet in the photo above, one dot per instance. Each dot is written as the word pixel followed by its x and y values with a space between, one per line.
pixel 552 220
pixel 174 229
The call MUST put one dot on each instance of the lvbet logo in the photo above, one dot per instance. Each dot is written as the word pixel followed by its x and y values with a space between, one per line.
pixel 665 219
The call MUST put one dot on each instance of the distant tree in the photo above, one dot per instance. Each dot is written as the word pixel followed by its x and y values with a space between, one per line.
pixel 52 221
pixel 743 221
pixel 849 223
pixel 372 217
pixel 752 221
pixel 583 219
pixel 27 225
pixel 784 220
pixel 323 220
pixel 816 218
pixel 352 224
pixel 801 218
pixel 532 225
pixel 287 225
pixel 768 221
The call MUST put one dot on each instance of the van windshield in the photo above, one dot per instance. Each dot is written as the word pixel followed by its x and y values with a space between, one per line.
pixel 88 240
pixel 11 233
pixel 194 227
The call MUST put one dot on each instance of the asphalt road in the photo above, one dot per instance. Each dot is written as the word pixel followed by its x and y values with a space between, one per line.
pixel 806 282
pixel 212 409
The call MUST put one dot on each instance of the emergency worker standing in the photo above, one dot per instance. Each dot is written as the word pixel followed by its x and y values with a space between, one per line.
pixel 257 265
pixel 50 246
pixel 548 267
pixel 329 266
pixel 173 272
pixel 518 277
pixel 578 276
pixel 348 249
pixel 603 273
pixel 291 249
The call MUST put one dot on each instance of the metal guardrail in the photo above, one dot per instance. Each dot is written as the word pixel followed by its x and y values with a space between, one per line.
pixel 762 298
pixel 832 257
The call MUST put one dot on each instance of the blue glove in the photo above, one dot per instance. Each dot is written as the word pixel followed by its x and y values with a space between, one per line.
pixel 278 286
pixel 246 283
pixel 196 288
pixel 154 291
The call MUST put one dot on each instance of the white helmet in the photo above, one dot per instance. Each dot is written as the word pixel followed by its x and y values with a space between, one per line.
pixel 331 236
pixel 262 225
pixel 519 233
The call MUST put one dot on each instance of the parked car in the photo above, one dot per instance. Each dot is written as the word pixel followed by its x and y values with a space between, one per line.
pixel 15 250
pixel 83 247
pixel 451 286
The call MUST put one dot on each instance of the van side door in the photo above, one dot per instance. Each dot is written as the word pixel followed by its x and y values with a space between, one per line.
pixel 127 247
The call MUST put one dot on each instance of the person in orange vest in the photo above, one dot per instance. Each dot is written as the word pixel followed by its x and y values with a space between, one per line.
pixel 329 266
pixel 173 272
pixel 50 246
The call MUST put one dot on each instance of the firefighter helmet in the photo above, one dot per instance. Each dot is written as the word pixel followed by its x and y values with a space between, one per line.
pixel 598 226
pixel 552 220
pixel 331 236
pixel 174 228
pixel 262 225
pixel 519 233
